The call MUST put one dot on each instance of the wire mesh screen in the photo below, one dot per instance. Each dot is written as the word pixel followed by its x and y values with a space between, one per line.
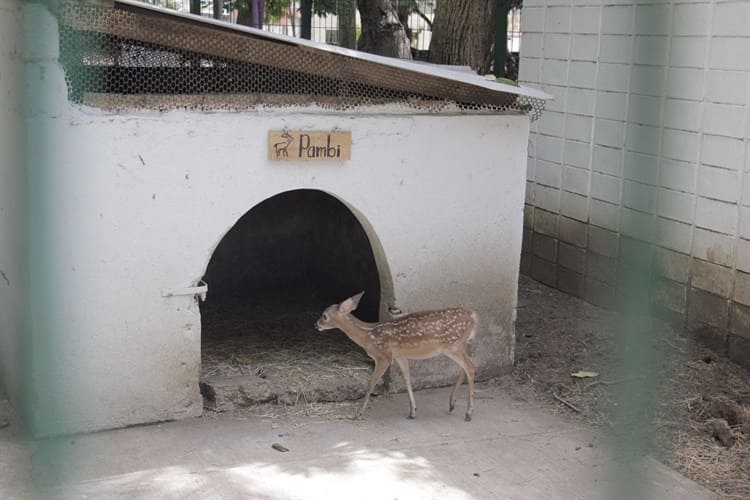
pixel 130 57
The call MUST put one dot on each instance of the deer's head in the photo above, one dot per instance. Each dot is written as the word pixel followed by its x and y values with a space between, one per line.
pixel 334 314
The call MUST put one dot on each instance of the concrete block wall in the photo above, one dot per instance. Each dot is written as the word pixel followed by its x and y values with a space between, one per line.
pixel 645 147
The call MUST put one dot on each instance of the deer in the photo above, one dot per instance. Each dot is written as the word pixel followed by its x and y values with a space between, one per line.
pixel 419 335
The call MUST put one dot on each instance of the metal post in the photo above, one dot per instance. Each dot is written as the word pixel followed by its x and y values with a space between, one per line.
pixel 306 14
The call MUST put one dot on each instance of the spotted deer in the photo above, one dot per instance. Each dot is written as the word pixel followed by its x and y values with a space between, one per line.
pixel 419 335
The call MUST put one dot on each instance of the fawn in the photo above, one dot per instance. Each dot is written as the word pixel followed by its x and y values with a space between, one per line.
pixel 419 335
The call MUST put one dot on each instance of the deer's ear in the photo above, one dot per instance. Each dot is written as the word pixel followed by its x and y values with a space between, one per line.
pixel 351 303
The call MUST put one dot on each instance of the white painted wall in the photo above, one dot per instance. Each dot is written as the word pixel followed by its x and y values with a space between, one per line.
pixel 647 140
pixel 127 204
pixel 13 278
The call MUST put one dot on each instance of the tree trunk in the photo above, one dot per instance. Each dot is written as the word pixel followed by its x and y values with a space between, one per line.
pixel 348 24
pixel 463 33
pixel 382 33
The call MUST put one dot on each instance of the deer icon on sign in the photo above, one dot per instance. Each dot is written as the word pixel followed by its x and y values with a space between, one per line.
pixel 282 148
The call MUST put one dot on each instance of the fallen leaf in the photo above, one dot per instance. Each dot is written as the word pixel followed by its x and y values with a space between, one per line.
pixel 582 374
pixel 278 447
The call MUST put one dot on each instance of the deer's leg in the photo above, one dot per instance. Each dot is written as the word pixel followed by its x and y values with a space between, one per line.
pixel 459 381
pixel 465 362
pixel 403 364
pixel 381 365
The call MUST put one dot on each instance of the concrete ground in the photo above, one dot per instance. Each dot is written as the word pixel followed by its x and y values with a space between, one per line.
pixel 511 450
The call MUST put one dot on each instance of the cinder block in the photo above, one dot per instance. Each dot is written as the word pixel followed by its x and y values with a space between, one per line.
pixel 544 271
pixel 581 102
pixel 583 47
pixel 712 337
pixel 575 180
pixel 545 247
pixel 690 19
pixel 738 350
pixel 711 277
pixel 555 72
pixel 716 215
pixel 558 103
pixel 613 77
pixel 574 206
pixel 609 133
pixel 599 293
pixel 571 282
pixel 556 46
pixel 607 160
pixel 547 198
pixel 604 214
pixel 671 265
pixel 582 74
pixel 670 295
pixel 606 187
pixel 677 175
pixel 528 236
pixel 743 255
pixel 578 154
pixel 742 288
pixel 647 80
pixel 617 20
pixel 652 19
pixel 571 257
pixel 529 193
pixel 545 222
pixel 713 247
pixel 685 83
pixel 682 114
pixel 651 50
pixel 556 20
pixel 645 110
pixel 551 123
pixel 707 308
pixel 687 52
pixel 639 196
pixel 602 241
pixel 578 127
pixel 532 44
pixel 739 320
pixel 532 20
pixel 528 216
pixel 573 232
pixel 722 151
pixel 601 268
pixel 680 145
pixel 585 20
pixel 673 235
pixel 525 267
pixel 615 48
pixel 730 53
pixel 731 19
pixel 530 70
pixel 724 119
pixel 642 139
pixel 728 87
pixel 611 105
pixel 548 174
pixel 641 167
pixel 718 183
pixel 638 225
pixel 635 254
pixel 549 148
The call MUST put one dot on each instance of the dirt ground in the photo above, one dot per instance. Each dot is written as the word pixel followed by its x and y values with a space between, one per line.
pixel 692 388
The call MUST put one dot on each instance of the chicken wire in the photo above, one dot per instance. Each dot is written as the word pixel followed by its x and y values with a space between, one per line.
pixel 133 57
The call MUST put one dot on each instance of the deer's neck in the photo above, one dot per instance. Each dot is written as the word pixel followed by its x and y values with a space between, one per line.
pixel 358 331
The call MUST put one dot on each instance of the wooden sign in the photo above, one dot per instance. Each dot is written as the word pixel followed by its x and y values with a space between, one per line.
pixel 287 145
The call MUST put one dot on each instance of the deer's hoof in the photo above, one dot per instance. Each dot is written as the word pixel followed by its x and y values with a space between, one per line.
pixel 451 407
pixel 410 417
pixel 467 418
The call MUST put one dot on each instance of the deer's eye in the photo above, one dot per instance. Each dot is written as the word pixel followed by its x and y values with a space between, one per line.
pixel 325 316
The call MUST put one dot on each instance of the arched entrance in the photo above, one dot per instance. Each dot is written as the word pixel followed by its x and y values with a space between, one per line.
pixel 269 279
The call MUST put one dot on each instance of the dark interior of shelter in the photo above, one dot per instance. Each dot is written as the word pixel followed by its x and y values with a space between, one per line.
pixel 270 278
